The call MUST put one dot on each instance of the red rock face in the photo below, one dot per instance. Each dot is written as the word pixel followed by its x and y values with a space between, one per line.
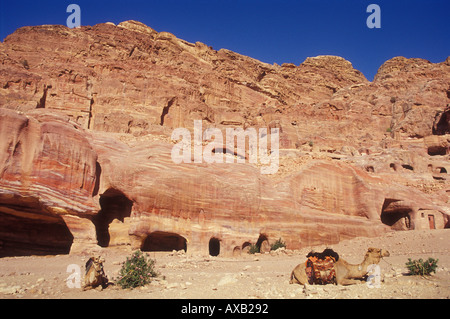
pixel 86 117
pixel 48 169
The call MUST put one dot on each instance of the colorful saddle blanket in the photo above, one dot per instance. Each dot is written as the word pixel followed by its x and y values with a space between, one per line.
pixel 320 271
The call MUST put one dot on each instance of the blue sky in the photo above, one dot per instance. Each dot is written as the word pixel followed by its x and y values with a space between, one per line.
pixel 273 31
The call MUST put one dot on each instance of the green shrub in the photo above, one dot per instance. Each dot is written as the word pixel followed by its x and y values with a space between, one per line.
pixel 253 249
pixel 420 267
pixel 137 271
pixel 278 244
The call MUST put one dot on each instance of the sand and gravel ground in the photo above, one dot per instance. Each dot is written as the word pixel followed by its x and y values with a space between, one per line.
pixel 257 276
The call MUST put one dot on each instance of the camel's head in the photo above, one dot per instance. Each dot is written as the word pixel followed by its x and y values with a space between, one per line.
pixel 376 254
pixel 96 262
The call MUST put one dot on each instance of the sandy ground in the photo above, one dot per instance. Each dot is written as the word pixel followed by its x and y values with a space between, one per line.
pixel 260 276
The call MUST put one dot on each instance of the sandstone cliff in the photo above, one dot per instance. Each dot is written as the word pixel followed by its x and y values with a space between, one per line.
pixel 86 117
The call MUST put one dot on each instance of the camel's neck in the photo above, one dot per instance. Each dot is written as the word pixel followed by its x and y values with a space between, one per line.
pixel 360 270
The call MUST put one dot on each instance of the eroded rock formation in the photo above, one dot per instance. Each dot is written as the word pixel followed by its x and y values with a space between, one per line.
pixel 86 117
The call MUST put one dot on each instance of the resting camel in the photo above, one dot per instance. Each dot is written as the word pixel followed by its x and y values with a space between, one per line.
pixel 95 275
pixel 345 273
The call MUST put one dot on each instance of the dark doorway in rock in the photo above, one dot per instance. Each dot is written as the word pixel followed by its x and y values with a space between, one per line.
pixel 163 241
pixel 114 205
pixel 263 244
pixel 395 215
pixel 435 150
pixel 246 246
pixel 408 167
pixel 214 247
pixel 25 232
pixel 441 126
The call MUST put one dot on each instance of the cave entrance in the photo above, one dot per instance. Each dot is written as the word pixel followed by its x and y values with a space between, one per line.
pixel 162 241
pixel 214 247
pixel 442 126
pixel 437 150
pixel 408 167
pixel 263 244
pixel 114 205
pixel 396 215
pixel 27 233
pixel 246 246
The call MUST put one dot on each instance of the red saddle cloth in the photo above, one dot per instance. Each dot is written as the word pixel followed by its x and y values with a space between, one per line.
pixel 320 271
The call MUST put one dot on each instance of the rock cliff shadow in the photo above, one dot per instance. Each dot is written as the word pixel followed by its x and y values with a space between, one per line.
pixel 114 205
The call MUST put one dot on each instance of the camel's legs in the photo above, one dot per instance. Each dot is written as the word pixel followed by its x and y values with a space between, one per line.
pixel 346 282
pixel 294 279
